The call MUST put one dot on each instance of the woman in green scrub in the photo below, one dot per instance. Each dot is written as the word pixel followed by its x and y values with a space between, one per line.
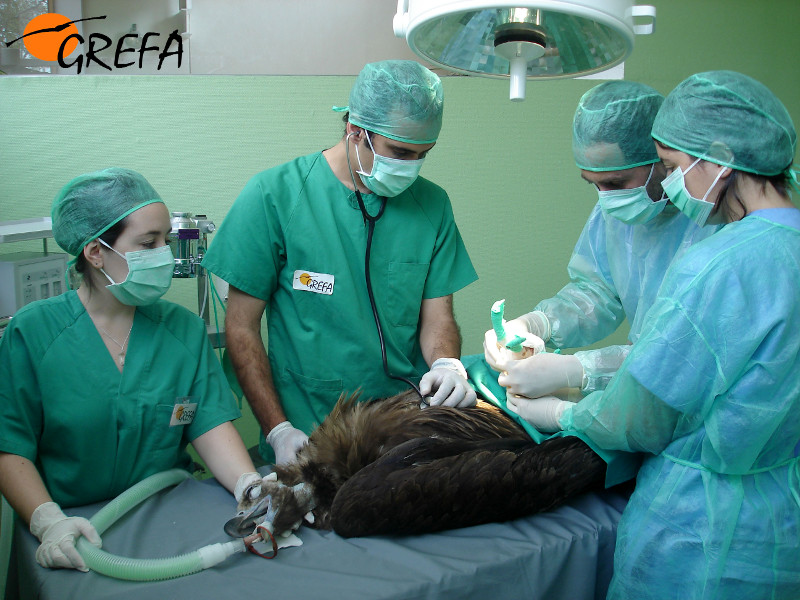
pixel 104 386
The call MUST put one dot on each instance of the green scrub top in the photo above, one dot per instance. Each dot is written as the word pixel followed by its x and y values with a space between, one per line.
pixel 296 239
pixel 92 431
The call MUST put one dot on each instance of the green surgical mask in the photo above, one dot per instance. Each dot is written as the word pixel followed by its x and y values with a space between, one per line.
pixel 632 206
pixel 697 209
pixel 149 275
pixel 390 177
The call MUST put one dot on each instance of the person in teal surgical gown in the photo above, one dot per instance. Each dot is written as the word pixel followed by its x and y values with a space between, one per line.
pixel 295 244
pixel 711 390
pixel 619 261
pixel 105 385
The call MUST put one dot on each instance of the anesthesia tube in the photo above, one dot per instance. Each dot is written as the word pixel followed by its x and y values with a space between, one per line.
pixel 518 347
pixel 153 569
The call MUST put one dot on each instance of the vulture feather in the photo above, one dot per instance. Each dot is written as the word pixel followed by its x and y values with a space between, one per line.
pixel 388 467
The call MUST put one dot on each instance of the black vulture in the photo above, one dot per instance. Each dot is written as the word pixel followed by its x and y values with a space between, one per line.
pixel 388 467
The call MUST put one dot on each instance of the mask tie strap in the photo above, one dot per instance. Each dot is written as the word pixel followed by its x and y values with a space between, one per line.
pixel 691 166
pixel 713 183
pixel 649 177
pixel 371 147
pixel 110 248
pixel 111 281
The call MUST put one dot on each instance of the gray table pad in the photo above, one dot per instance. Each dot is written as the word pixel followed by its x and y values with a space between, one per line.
pixel 564 554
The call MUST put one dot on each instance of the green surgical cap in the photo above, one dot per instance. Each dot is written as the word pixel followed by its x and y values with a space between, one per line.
pixel 611 128
pixel 730 119
pixel 92 203
pixel 399 99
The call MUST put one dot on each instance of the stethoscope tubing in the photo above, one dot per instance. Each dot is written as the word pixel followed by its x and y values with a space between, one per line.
pixel 370 221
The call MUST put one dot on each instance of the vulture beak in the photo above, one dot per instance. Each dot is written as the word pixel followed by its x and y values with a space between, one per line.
pixel 245 523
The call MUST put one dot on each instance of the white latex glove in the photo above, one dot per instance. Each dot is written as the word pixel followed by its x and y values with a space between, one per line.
pixel 541 374
pixel 449 378
pixel 286 441
pixel 491 352
pixel 58 533
pixel 247 486
pixel 542 413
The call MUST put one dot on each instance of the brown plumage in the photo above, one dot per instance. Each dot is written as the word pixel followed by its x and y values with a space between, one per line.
pixel 388 467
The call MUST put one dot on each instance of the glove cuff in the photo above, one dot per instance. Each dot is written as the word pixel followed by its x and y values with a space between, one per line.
pixel 452 364
pixel 43 517
pixel 538 324
pixel 276 432
pixel 558 413
pixel 576 374
pixel 600 366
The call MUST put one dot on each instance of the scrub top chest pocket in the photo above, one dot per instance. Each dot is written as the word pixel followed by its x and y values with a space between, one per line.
pixel 406 285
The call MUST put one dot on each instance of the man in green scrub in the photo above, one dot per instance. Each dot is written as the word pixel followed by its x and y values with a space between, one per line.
pixel 295 241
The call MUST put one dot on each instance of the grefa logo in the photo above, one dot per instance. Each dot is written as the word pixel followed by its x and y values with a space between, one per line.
pixel 184 413
pixel 52 36
pixel 308 281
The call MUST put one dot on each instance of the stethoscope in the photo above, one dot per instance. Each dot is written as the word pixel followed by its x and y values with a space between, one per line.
pixel 370 222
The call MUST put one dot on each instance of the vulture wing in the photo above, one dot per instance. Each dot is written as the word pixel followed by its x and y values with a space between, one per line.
pixel 431 484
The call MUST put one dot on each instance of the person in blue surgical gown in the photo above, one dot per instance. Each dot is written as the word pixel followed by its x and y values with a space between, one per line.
pixel 619 261
pixel 105 385
pixel 711 390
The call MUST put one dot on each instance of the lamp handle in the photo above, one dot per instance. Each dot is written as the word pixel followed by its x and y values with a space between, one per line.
pixel 644 11
pixel 400 21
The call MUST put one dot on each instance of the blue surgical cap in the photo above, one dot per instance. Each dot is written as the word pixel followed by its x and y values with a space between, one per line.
pixel 730 119
pixel 399 99
pixel 611 128
pixel 92 203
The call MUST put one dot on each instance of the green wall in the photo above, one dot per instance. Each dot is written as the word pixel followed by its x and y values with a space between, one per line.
pixel 507 166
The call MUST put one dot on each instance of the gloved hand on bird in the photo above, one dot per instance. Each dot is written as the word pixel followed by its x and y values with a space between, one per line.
pixel 543 413
pixel 540 375
pixel 248 487
pixel 449 378
pixel 286 441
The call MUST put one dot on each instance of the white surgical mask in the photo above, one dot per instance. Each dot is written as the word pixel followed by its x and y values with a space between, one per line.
pixel 632 206
pixel 390 176
pixel 149 275
pixel 697 209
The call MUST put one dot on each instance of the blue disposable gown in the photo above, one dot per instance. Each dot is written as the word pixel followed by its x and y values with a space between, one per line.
pixel 615 271
pixel 712 391
pixel 92 431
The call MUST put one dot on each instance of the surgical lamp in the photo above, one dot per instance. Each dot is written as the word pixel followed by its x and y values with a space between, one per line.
pixel 538 39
